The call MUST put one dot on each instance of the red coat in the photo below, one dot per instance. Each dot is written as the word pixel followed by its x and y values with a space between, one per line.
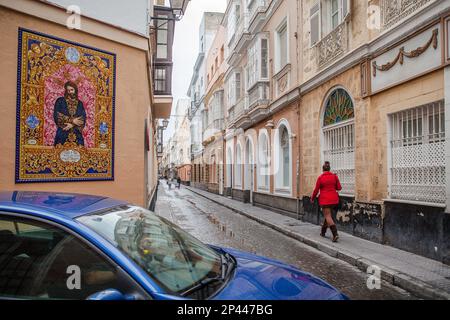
pixel 328 184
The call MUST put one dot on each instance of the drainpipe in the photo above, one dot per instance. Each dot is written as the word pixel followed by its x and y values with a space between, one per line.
pixel 299 17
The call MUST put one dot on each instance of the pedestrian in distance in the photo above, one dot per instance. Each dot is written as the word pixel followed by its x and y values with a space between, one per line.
pixel 179 182
pixel 328 185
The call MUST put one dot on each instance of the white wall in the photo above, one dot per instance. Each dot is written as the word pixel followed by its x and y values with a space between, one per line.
pixel 130 15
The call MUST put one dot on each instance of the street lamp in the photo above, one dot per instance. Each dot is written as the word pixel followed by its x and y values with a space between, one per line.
pixel 178 8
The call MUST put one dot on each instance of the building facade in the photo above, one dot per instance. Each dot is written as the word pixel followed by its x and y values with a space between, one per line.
pixel 197 90
pixel 109 62
pixel 362 84
pixel 180 142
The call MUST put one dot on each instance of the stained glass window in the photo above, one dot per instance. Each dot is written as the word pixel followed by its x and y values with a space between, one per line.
pixel 338 108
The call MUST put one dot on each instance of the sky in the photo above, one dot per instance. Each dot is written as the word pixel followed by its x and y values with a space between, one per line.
pixel 185 50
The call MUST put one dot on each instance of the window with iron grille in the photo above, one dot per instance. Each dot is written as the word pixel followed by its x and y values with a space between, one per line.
pixel 417 141
pixel 339 138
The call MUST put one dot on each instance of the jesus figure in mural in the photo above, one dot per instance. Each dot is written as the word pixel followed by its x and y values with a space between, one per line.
pixel 69 116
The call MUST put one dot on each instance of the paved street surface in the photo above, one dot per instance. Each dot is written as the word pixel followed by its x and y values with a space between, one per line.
pixel 215 224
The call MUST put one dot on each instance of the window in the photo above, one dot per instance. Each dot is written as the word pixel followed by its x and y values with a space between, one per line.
pixel 237 15
pixel 335 13
pixel 338 10
pixel 283 156
pixel 237 80
pixel 249 165
pixel 418 154
pixel 238 167
pixel 37 261
pixel 315 22
pixel 229 167
pixel 252 66
pixel 325 16
pixel 263 161
pixel 338 138
pixel 233 21
pixel 171 257
pixel 257 61
pixel 264 58
pixel 282 46
pixel 234 88
pixel 160 79
pixel 162 38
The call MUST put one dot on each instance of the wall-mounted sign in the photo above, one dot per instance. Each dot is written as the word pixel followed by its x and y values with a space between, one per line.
pixel 65 110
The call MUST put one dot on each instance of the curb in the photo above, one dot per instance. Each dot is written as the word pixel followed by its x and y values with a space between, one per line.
pixel 396 278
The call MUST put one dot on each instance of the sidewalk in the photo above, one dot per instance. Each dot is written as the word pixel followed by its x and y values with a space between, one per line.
pixel 423 277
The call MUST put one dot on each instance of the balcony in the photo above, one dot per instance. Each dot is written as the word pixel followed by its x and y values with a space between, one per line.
pixel 236 111
pixel 239 40
pixel 243 36
pixel 394 11
pixel 258 95
pixel 332 46
pixel 256 9
pixel 159 150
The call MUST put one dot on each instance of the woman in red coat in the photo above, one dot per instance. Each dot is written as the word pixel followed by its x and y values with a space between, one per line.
pixel 328 184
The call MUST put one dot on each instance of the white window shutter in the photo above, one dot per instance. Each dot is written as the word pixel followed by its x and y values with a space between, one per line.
pixel 346 6
pixel 315 23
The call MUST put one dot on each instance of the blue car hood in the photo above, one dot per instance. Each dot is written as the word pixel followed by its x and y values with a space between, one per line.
pixel 259 278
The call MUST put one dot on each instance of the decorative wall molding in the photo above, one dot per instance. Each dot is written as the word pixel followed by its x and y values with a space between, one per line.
pixel 409 54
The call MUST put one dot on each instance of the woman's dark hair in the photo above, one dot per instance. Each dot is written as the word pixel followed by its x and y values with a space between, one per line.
pixel 326 166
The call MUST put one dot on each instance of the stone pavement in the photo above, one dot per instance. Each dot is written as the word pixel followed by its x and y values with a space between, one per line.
pixel 421 276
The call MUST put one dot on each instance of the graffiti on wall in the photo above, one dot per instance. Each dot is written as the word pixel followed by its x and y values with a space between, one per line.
pixel 65 110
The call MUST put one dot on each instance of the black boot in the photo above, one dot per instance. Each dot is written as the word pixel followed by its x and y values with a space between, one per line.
pixel 324 228
pixel 335 233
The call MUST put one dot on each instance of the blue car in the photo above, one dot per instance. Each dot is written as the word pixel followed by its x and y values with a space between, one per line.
pixel 72 246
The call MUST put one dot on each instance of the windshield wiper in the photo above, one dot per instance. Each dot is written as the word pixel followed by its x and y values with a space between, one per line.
pixel 203 283
pixel 227 264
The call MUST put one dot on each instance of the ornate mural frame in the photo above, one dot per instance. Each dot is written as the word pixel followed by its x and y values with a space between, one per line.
pixel 81 160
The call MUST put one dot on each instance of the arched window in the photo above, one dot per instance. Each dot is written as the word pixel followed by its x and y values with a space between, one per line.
pixel 229 168
pixel 283 156
pixel 263 161
pixel 338 144
pixel 249 162
pixel 284 144
pixel 238 167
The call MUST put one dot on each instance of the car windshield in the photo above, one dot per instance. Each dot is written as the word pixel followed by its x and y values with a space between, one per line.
pixel 172 257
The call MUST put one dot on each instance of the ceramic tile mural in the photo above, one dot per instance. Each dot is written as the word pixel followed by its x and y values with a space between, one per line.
pixel 65 110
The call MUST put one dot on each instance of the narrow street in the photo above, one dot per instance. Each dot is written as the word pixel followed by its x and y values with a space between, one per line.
pixel 214 224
